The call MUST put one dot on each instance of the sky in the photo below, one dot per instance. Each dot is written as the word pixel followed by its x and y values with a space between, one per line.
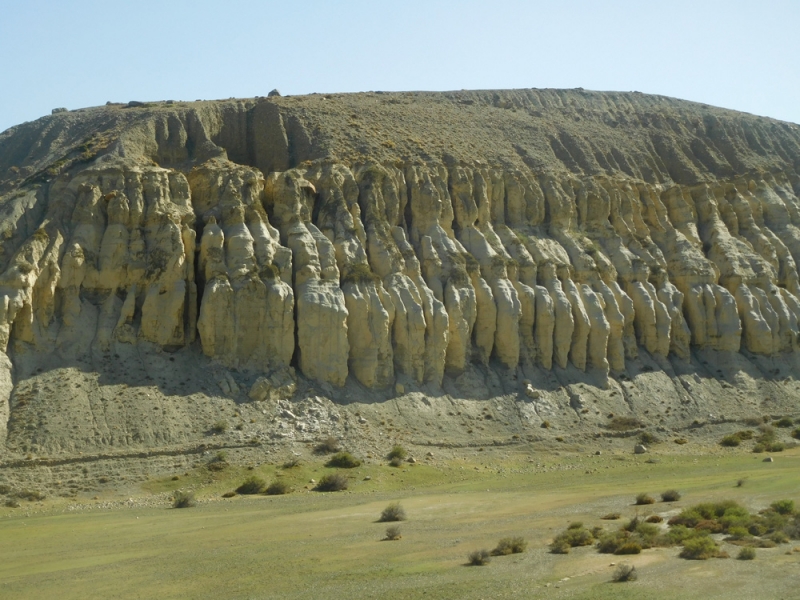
pixel 737 54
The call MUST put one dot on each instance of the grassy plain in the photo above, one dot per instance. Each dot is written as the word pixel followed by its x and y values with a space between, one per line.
pixel 329 545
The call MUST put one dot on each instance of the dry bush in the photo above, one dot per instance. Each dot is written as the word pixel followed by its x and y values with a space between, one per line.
pixel 478 558
pixel 278 488
pixel 252 485
pixel 329 445
pixel 183 499
pixel 393 533
pixel 514 545
pixel 333 482
pixel 393 512
pixel 644 499
pixel 625 573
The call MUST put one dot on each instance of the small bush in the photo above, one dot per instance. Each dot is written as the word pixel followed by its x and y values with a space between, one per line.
pixel 573 537
pixel 779 537
pixel 329 445
pixel 219 427
pixel 393 533
pixel 783 507
pixel 229 494
pixel 699 548
pixel 654 519
pixel 11 503
pixel 741 482
pixel 508 546
pixel 647 438
pixel 219 462
pixel 625 573
pixel 396 462
pixel 252 485
pixel 4 489
pixel 183 500
pixel 730 441
pixel 478 558
pixel 644 499
pixel 746 553
pixel 343 460
pixel 30 495
pixel 629 547
pixel 783 422
pixel 670 496
pixel 333 482
pixel 291 463
pixel 278 488
pixel 611 517
pixel 393 512
pixel 624 423
pixel 545 425
pixel 397 451
pixel 681 441
pixel 796 434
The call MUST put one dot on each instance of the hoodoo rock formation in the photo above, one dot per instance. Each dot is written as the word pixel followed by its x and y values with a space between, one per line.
pixel 395 240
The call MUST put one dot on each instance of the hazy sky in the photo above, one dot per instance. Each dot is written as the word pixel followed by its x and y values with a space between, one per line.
pixel 740 54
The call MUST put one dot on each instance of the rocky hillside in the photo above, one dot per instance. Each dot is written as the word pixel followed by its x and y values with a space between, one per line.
pixel 563 252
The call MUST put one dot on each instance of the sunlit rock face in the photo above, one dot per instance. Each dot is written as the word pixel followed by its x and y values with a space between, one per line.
pixel 388 237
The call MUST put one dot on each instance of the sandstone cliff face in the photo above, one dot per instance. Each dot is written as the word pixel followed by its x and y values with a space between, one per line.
pixel 269 240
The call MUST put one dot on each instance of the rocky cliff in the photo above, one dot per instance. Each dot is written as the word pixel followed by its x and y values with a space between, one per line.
pixel 382 244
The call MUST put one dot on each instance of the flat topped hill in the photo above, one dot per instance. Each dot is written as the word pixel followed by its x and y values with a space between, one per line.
pixel 280 263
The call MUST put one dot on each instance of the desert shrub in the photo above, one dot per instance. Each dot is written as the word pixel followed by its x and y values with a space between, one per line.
pixel 278 488
pixel 699 548
pixel 545 425
pixel 783 507
pixel 358 273
pixel 252 485
pixel 796 434
pixel 738 533
pixel 624 423
pixel 228 494
pixel 681 441
pixel 397 451
pixel 677 535
pixel 746 553
pixel 183 499
pixel 478 558
pixel 727 511
pixel 219 427
pixel 783 422
pixel 730 441
pixel 396 462
pixel 291 463
pixel 644 499
pixel 11 503
pixel 629 547
pixel 670 496
pixel 4 489
pixel 779 537
pixel 741 482
pixel 507 546
pixel 767 434
pixel 654 519
pixel 343 460
pixel 218 462
pixel 611 517
pixel 393 512
pixel 625 573
pixel 575 525
pixel 576 535
pixel 333 482
pixel 329 445
pixel 647 438
pixel 30 495
pixel 393 533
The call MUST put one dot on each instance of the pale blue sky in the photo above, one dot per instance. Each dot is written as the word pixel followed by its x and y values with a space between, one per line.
pixel 739 54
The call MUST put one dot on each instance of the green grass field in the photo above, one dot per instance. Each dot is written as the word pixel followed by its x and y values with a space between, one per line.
pixel 329 545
